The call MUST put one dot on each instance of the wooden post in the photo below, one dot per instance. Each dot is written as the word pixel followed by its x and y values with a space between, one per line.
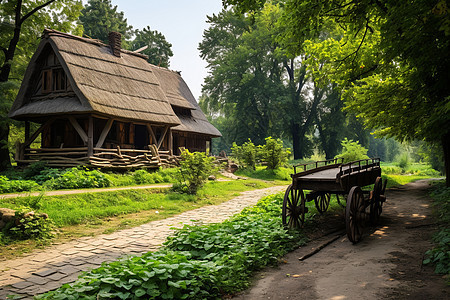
pixel 170 142
pixel 90 137
pixel 27 130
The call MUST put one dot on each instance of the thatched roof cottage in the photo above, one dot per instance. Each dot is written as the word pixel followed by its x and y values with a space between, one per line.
pixel 104 106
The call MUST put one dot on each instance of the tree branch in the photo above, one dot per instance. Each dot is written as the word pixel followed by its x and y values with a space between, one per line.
pixel 34 10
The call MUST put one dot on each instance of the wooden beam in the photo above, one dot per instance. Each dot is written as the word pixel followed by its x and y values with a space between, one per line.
pixel 104 133
pixel 162 137
pixel 80 130
pixel 37 132
pixel 27 130
pixel 152 134
pixel 170 142
pixel 90 137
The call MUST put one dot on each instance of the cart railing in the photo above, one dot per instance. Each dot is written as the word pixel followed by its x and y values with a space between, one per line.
pixel 320 163
pixel 358 166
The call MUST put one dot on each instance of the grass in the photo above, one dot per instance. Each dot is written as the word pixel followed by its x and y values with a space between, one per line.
pixel 279 176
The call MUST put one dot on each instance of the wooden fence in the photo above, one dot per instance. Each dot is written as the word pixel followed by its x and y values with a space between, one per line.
pixel 116 158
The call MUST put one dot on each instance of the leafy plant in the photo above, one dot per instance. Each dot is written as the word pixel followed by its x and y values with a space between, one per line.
pixel 245 154
pixel 199 262
pixel 75 178
pixel 195 169
pixel 30 225
pixel 403 161
pixel 440 254
pixel 11 186
pixel 352 151
pixel 273 153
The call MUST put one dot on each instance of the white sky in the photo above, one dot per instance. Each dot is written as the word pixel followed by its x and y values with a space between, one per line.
pixel 182 22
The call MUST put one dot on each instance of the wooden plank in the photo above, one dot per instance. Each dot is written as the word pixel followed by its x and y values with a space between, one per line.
pixel 104 133
pixel 55 153
pixel 90 137
pixel 80 130
pixel 27 130
pixel 57 149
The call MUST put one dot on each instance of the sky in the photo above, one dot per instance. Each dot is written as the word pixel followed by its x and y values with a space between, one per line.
pixel 182 22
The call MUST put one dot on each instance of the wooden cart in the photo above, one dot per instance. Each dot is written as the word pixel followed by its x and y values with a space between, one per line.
pixel 323 178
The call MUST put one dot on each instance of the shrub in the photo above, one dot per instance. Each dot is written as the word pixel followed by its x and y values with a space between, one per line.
pixel 142 176
pixel 245 154
pixel 352 151
pixel 30 225
pixel 194 171
pixel 440 254
pixel 403 161
pixel 76 178
pixel 12 186
pixel 273 153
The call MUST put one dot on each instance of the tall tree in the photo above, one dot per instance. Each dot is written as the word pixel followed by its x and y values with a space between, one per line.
pixel 405 91
pixel 158 50
pixel 21 24
pixel 264 89
pixel 100 17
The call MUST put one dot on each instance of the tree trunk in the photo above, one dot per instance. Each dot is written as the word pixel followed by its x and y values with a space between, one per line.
pixel 446 148
pixel 5 161
pixel 296 141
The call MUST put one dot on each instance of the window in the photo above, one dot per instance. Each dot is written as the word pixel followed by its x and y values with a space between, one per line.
pixel 54 80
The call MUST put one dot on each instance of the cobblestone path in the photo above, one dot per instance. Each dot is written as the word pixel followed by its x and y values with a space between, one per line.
pixel 45 270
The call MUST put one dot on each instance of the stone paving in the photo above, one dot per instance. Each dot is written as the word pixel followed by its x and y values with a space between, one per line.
pixel 46 270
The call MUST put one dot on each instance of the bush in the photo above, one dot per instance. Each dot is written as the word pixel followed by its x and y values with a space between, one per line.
pixel 194 171
pixel 352 151
pixel 76 178
pixel 245 154
pixel 273 153
pixel 440 254
pixel 142 176
pixel 403 161
pixel 13 186
pixel 29 225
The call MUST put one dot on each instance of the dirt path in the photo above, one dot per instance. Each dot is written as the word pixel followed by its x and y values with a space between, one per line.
pixel 386 264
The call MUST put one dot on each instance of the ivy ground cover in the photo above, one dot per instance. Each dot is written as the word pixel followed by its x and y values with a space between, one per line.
pixel 198 262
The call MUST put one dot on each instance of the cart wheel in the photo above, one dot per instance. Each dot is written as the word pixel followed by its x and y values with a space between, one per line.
pixel 355 214
pixel 293 208
pixel 322 201
pixel 376 205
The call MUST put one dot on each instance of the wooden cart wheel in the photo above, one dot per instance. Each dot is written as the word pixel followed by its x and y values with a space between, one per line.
pixel 293 213
pixel 322 201
pixel 355 214
pixel 376 205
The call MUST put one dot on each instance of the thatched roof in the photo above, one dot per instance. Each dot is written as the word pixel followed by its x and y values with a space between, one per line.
pixel 105 84
pixel 179 94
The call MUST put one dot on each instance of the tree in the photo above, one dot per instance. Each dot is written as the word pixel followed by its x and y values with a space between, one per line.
pixel 159 51
pixel 395 63
pixel 256 83
pixel 99 18
pixel 21 23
